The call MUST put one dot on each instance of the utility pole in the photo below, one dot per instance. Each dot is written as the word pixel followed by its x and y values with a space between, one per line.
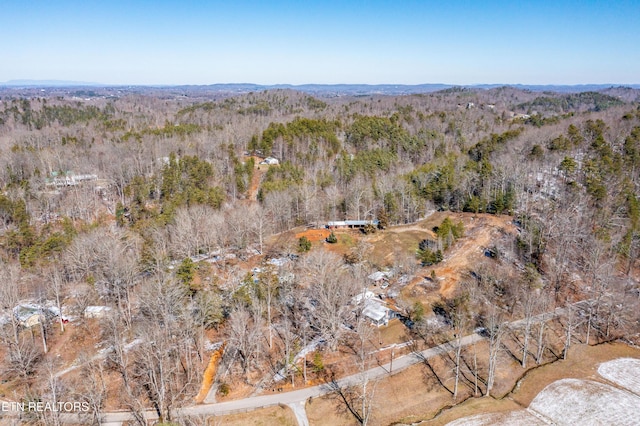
pixel 304 361
pixel 393 347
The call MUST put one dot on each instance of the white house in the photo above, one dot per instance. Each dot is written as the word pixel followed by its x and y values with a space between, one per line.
pixel 373 308
pixel 377 312
pixel 270 161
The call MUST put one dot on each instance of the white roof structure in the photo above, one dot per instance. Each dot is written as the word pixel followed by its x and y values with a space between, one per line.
pixel 31 313
pixel 96 311
pixel 379 275
pixel 351 223
pixel 375 311
pixel 365 295
pixel 279 261
pixel 270 161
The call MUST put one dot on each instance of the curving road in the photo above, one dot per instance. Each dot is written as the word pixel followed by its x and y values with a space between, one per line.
pixel 292 397
pixel 295 399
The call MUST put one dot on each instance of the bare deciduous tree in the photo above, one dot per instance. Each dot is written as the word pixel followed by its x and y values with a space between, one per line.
pixel 330 288
pixel 110 258
pixel 21 352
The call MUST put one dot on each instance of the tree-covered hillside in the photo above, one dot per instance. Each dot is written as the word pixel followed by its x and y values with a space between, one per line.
pixel 115 202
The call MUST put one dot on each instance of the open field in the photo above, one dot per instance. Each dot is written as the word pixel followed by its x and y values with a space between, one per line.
pixel 582 364
pixel 573 401
pixel 624 372
pixel 411 396
pixel 520 417
pixel 577 401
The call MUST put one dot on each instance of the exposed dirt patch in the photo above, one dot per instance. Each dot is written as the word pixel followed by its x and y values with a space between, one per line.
pixel 348 240
pixel 209 375
pixel 258 172
pixel 480 231
pixel 314 235
pixel 396 245
pixel 254 185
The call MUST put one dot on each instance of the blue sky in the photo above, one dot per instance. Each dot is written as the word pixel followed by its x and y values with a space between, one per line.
pixel 297 42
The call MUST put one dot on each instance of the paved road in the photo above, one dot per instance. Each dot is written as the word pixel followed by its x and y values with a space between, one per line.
pixel 297 396
pixel 300 411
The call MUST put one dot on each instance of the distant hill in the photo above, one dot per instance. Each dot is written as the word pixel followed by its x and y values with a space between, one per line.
pixel 324 90
pixel 395 89
pixel 48 83
pixel 578 88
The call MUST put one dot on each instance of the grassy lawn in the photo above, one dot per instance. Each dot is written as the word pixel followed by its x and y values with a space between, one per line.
pixel 276 416
pixel 412 395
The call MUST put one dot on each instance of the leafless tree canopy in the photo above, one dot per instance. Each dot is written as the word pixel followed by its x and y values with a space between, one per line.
pixel 142 230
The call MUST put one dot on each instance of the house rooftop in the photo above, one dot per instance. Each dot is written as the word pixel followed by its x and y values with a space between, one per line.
pixel 366 295
pixel 375 311
pixel 351 223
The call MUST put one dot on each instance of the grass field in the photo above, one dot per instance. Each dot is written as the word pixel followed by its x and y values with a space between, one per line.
pixel 411 396
pixel 270 416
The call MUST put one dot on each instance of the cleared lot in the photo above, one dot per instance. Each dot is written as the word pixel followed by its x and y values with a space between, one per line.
pixel 574 401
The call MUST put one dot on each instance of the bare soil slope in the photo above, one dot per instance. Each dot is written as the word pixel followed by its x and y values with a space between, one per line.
pixel 480 232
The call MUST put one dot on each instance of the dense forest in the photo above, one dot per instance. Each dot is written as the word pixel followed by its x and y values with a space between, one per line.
pixel 164 212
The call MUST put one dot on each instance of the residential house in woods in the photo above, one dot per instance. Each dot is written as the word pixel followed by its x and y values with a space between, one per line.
pixel 379 277
pixel 373 308
pixel 376 311
pixel 270 161
pixel 29 315
pixel 32 314
pixel 69 178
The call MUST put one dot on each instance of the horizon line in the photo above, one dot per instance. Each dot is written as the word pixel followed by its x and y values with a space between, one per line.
pixel 69 83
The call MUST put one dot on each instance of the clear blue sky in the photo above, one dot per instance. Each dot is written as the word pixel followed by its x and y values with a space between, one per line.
pixel 297 42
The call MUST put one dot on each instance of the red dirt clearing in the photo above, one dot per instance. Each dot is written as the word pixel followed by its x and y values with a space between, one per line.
pixel 314 234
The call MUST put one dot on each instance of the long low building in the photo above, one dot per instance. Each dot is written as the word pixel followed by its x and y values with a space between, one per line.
pixel 351 223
